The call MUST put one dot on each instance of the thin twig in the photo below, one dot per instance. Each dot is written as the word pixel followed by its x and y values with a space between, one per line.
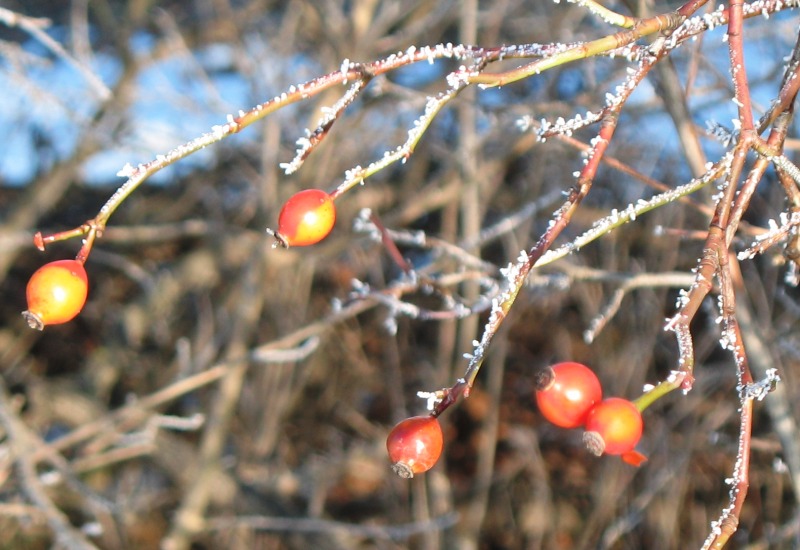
pixel 23 448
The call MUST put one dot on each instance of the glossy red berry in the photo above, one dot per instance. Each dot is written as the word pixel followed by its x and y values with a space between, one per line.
pixel 56 293
pixel 414 445
pixel 614 427
pixel 566 392
pixel 306 218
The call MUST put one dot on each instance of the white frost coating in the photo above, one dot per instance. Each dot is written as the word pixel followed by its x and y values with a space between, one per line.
pixel 329 115
pixel 612 101
pixel 460 78
pixel 759 390
pixel 143 171
pixel 787 166
pixel 92 529
pixel 524 123
pixel 433 398
pixel 593 7
pixel 50 478
pixel 219 131
pixel 721 133
pixel 363 224
pixel 126 171
pixel 420 125
pixel 617 218
pixel 390 323
pixel 779 466
pixel 792 277
pixel 673 377
pixel 513 279
pixel 709 21
pixel 788 226
pixel 358 286
pixel 560 126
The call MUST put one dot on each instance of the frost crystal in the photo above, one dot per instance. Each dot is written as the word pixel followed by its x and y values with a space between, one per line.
pixel 759 390
pixel 126 171
pixel 777 232
pixel 390 324
pixel 433 398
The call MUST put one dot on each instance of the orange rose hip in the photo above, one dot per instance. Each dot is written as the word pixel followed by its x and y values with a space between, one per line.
pixel 56 293
pixel 306 218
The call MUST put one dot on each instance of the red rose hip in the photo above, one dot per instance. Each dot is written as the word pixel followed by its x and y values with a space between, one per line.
pixel 566 392
pixel 414 445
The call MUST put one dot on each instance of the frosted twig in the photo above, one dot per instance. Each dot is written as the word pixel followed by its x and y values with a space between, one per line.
pixel 330 115
pixel 721 133
pixel 697 24
pixel 607 15
pixel 787 166
pixel 620 217
pixel 512 220
pixel 632 282
pixel 23 444
pixel 726 525
pixel 516 273
pixel 619 41
pixel 357 175
pixel 776 233
pixel 452 308
pixel 759 390
pixel 136 175
pixel 266 355
pixel 728 521
pixel 317 525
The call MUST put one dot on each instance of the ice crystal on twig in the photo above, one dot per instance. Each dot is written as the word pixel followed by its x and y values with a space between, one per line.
pixel 329 116
pixel 617 218
pixel 776 233
pixel 759 390
pixel 432 398
pixel 721 133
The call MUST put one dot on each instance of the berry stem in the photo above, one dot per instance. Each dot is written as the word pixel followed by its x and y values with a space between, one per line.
pixel 673 382
pixel 83 253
